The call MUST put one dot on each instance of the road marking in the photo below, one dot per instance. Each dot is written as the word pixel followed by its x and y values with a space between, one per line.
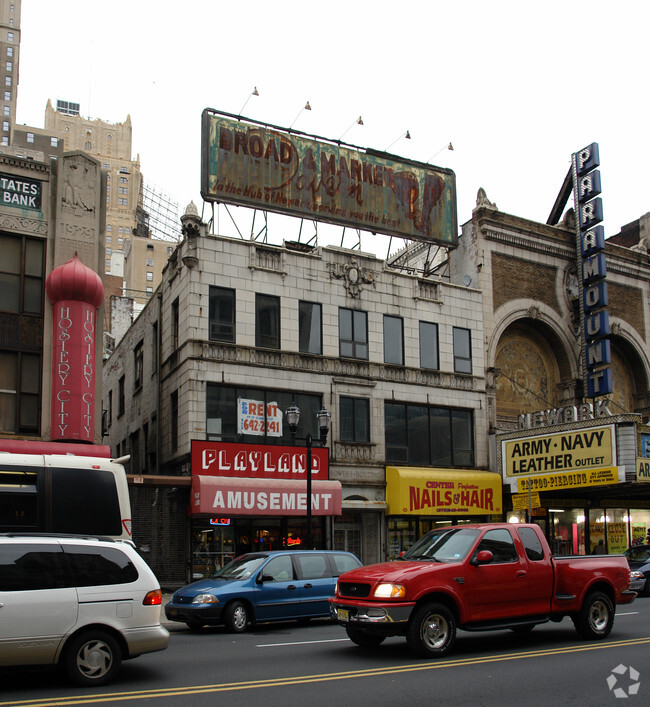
pixel 628 613
pixel 301 643
pixel 107 698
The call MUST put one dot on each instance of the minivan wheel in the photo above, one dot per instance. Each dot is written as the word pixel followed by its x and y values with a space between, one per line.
pixel 236 617
pixel 92 658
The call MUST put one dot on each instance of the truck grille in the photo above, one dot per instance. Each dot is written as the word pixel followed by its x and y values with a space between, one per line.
pixel 353 589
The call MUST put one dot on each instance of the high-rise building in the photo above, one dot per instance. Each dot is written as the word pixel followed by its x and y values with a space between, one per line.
pixel 9 51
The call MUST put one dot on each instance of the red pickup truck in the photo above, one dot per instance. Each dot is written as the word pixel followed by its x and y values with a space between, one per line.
pixel 478 578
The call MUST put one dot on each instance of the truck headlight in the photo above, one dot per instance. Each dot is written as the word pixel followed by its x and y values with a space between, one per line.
pixel 205 599
pixel 390 591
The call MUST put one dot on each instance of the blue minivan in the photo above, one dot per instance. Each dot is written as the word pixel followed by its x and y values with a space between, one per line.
pixel 262 586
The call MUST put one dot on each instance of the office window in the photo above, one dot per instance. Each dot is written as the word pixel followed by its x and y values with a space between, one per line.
pixel 424 435
pixel 429 346
pixel 10 36
pixel 5 140
pixel 109 413
pixel 109 239
pixel 10 66
pixel 462 350
pixel 120 397
pixel 174 420
pixel 6 110
pixel 393 340
pixel 5 125
pixel 109 227
pixel 122 202
pixel 30 137
pixel 353 333
pixel 54 142
pixel 310 332
pixel 149 262
pixel 267 321
pixel 175 324
pixel 149 290
pixel 221 315
pixel 355 419
pixel 7 95
pixel 108 251
pixel 149 277
pixel 10 51
pixel 154 348
pixel 7 80
pixel 138 361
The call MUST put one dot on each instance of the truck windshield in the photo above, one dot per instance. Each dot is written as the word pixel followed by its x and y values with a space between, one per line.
pixel 444 545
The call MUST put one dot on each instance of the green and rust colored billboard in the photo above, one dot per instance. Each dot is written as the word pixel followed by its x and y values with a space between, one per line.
pixel 266 167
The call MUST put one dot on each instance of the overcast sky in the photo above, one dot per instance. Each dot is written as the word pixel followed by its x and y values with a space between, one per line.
pixel 515 86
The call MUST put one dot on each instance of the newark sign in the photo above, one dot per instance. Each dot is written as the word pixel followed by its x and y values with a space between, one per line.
pixel 247 163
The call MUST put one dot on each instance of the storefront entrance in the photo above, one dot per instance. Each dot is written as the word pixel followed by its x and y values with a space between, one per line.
pixel 216 541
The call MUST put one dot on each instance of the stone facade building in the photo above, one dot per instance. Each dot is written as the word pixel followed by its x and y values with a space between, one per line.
pixel 396 357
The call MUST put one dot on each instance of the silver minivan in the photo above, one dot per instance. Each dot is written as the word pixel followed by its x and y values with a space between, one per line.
pixel 84 604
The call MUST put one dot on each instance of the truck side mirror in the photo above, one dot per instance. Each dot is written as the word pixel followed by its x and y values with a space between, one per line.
pixel 483 557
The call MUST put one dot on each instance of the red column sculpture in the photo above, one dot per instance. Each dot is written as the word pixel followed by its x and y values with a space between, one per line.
pixel 76 293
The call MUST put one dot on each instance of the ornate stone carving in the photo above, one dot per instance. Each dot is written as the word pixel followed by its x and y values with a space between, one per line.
pixel 482 200
pixel 353 274
pixel 79 179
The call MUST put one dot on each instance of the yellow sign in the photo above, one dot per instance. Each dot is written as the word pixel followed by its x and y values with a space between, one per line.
pixel 572 479
pixel 579 449
pixel 642 469
pixel 418 491
pixel 520 501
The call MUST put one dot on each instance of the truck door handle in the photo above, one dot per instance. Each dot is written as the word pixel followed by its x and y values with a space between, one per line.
pixel 520 573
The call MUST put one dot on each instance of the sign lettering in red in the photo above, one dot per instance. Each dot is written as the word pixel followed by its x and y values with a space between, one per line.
pixel 258 461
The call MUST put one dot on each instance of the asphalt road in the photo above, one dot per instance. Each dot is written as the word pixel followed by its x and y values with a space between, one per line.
pixel 281 664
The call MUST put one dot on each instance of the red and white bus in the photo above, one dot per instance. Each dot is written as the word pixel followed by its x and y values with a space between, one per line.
pixel 52 487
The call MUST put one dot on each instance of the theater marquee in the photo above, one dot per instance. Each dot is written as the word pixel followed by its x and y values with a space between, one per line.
pixel 266 167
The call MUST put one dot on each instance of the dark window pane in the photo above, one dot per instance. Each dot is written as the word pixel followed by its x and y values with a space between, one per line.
pixel 267 321
pixel 395 431
pixel 463 437
pixel 33 295
pixel 32 567
pixel 393 340
pixel 100 565
pixel 346 417
pixel 355 419
pixel 85 502
pixel 309 327
pixel 429 345
pixel 34 258
pixel 222 314
pixel 462 350
pixel 440 437
pixel 418 438
pixel 9 292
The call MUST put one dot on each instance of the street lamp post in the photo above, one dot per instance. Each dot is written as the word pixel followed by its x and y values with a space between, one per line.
pixel 292 414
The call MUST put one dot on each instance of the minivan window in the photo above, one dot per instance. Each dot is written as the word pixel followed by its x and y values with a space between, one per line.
pixel 27 567
pixel 279 569
pixel 313 566
pixel 343 563
pixel 93 566
pixel 241 567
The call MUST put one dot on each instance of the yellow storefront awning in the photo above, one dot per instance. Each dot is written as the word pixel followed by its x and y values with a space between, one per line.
pixel 430 491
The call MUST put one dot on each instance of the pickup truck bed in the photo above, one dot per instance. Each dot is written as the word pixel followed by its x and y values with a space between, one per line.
pixel 479 577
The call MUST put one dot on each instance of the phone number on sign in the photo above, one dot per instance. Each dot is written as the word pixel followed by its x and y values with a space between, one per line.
pixel 252 425
pixel 541 483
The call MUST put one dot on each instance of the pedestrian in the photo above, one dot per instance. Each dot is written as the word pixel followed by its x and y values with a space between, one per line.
pixel 600 548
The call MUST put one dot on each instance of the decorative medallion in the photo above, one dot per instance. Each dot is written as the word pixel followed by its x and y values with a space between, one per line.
pixel 353 275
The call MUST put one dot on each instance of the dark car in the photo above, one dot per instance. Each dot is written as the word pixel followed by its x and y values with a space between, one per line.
pixel 262 586
pixel 638 558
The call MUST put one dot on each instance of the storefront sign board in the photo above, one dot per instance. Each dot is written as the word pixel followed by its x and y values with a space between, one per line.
pixel 571 479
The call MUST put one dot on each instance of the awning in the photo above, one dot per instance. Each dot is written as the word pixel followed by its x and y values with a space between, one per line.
pixel 423 491
pixel 263 497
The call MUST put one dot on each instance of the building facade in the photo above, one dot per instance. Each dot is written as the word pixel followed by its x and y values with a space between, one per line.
pixel 238 331
pixel 583 457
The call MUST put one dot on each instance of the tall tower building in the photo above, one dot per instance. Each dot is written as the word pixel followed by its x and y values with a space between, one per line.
pixel 9 54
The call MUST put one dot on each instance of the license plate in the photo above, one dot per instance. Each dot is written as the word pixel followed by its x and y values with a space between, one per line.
pixel 343 614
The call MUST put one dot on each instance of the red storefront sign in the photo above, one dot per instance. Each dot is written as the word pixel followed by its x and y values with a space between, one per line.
pixel 258 461
pixel 263 497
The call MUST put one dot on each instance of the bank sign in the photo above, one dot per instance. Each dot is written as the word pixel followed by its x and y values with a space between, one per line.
pixel 592 270
pixel 573 455
pixel 247 163
pixel 21 193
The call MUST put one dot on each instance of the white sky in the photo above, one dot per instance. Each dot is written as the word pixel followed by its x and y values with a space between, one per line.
pixel 516 86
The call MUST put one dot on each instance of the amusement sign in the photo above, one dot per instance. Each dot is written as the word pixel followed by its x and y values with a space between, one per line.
pixel 265 167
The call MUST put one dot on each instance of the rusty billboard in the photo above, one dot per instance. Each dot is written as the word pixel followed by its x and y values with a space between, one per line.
pixel 252 164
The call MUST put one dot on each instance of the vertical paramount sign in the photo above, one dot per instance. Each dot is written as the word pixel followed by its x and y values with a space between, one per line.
pixel 265 167
pixel 590 253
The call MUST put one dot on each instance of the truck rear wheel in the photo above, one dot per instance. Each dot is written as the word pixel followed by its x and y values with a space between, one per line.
pixel 432 631
pixel 596 617
pixel 364 638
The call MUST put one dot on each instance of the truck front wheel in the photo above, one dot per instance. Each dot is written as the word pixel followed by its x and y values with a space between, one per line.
pixel 596 617
pixel 432 631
